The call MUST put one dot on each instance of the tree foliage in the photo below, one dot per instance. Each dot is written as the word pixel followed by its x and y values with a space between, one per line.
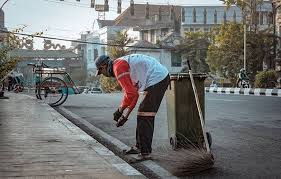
pixel 225 55
pixel 9 43
pixel 249 11
pixel 194 48
pixel 6 63
pixel 119 44
pixel 266 79
pixel 117 49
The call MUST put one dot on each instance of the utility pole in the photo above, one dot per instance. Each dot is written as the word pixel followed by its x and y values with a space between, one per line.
pixel 274 12
pixel 245 37
pixel 245 45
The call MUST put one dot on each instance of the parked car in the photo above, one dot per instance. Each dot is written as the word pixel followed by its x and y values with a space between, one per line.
pixel 95 90
pixel 82 88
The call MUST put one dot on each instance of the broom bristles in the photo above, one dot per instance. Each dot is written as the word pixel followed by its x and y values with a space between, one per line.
pixel 188 160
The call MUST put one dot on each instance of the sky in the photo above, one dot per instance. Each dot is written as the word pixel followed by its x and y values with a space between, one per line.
pixel 68 18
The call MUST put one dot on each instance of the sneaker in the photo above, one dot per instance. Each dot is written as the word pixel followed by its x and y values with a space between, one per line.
pixel 132 150
pixel 143 157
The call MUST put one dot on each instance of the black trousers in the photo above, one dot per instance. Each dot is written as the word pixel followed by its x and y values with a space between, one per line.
pixel 146 114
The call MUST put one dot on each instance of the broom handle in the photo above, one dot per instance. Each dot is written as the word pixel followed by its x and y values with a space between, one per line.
pixel 198 107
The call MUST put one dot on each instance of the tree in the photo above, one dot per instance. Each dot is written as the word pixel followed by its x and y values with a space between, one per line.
pixel 116 49
pixel 194 48
pixel 250 15
pixel 225 54
pixel 7 64
pixel 9 43
pixel 249 10
pixel 118 45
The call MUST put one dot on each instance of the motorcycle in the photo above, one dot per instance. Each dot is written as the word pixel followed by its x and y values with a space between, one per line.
pixel 244 83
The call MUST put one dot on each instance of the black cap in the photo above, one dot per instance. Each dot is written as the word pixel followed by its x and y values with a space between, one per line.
pixel 101 60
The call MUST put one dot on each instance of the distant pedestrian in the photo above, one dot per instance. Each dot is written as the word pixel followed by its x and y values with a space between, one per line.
pixel 135 73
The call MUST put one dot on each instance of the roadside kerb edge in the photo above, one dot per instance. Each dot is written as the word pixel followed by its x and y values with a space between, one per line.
pixel 118 145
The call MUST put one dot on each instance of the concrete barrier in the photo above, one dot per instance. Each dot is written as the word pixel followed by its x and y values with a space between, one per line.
pixel 244 91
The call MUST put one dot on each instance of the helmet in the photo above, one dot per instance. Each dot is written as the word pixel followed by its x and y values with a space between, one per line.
pixel 101 60
pixel 242 70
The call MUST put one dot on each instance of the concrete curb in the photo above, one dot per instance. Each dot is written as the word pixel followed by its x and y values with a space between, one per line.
pixel 118 145
pixel 245 91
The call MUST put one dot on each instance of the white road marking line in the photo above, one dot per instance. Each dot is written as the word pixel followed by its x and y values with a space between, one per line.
pixel 227 100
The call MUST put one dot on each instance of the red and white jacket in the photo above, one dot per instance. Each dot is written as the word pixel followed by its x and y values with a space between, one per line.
pixel 135 73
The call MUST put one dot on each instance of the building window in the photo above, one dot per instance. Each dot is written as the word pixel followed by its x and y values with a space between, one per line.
pixel 197 30
pixel 183 15
pixel 89 55
pixel 215 17
pixel 205 16
pixel 191 30
pixel 152 36
pixel 145 35
pixel 234 16
pixel 194 15
pixel 269 18
pixel 96 53
pixel 175 59
pixel 224 17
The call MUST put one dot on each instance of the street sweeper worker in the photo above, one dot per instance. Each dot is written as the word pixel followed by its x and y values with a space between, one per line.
pixel 137 73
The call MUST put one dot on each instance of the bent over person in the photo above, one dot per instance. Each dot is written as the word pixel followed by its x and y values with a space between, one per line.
pixel 136 73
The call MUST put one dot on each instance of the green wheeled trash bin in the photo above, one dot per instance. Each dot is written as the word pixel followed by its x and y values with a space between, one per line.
pixel 182 113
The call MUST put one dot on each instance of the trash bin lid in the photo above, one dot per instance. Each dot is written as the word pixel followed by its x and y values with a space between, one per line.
pixel 177 76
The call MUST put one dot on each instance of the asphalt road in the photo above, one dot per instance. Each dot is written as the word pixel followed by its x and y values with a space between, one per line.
pixel 246 130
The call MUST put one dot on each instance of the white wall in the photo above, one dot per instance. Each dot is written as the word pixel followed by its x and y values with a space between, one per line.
pixel 93 37
pixel 134 35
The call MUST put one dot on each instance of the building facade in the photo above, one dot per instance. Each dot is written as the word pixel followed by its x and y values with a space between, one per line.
pixel 93 50
pixel 204 18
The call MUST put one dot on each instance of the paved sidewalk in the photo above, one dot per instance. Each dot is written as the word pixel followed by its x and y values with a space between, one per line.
pixel 37 142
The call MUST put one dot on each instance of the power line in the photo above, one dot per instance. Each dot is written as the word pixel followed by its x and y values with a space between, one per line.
pixel 94 43
pixel 78 41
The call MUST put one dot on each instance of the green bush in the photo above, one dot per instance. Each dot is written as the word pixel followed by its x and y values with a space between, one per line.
pixel 266 79
pixel 109 84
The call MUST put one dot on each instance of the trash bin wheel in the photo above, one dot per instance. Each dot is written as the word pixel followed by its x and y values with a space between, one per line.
pixel 174 142
pixel 209 138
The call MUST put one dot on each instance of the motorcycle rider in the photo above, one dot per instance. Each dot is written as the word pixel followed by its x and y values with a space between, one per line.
pixel 242 76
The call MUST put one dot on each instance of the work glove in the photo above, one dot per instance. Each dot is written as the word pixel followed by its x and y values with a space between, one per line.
pixel 116 115
pixel 121 121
